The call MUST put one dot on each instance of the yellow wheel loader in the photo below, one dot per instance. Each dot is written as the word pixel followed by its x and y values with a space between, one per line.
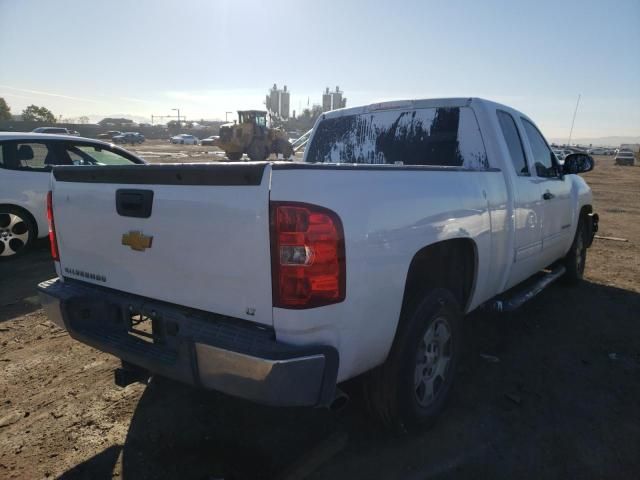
pixel 252 136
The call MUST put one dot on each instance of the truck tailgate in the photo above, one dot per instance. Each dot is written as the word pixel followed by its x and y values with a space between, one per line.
pixel 204 244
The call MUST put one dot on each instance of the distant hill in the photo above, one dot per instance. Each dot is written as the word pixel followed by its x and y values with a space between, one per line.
pixel 136 118
pixel 604 141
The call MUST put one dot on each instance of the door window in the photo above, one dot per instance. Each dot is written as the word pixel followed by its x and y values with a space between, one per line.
pixel 95 155
pixel 543 157
pixel 514 142
pixel 27 156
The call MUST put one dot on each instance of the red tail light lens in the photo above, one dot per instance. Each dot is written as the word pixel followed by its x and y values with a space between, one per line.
pixel 52 228
pixel 307 256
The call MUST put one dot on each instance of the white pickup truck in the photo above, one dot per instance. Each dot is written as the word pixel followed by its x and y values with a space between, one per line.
pixel 276 281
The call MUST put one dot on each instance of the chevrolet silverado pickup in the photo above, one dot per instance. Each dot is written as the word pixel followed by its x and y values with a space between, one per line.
pixel 276 281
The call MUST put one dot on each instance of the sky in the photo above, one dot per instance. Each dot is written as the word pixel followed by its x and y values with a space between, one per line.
pixel 143 58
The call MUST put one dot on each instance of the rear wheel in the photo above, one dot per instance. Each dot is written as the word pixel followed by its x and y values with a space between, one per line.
pixel 283 147
pixel 257 151
pixel 17 232
pixel 410 389
pixel 576 257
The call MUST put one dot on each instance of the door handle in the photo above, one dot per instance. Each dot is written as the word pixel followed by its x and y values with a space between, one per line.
pixel 134 203
pixel 548 195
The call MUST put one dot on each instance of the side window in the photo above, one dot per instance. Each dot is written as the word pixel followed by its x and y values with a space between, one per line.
pixel 514 142
pixel 542 154
pixel 31 155
pixel 78 157
pixel 93 155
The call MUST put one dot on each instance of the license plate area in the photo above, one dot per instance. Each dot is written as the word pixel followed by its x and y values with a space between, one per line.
pixel 144 328
pixel 147 327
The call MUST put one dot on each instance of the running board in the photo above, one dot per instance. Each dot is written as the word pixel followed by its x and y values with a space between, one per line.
pixel 512 301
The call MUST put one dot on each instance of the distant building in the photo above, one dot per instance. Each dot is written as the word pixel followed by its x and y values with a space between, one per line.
pixel 333 100
pixel 326 100
pixel 278 101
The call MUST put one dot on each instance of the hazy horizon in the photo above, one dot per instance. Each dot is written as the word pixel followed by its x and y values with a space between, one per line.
pixel 91 60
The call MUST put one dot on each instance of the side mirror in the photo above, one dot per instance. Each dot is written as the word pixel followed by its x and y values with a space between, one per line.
pixel 575 163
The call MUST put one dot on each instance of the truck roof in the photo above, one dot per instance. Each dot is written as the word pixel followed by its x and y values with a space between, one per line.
pixel 417 103
pixel 45 136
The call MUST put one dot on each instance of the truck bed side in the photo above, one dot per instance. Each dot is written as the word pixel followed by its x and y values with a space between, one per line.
pixel 389 213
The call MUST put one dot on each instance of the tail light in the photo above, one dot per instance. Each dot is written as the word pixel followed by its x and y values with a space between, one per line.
pixel 307 256
pixel 52 228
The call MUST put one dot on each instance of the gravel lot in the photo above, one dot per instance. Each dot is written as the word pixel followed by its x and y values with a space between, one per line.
pixel 561 401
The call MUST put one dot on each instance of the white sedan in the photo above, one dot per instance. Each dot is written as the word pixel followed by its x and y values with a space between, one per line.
pixel 26 160
pixel 597 151
pixel 184 139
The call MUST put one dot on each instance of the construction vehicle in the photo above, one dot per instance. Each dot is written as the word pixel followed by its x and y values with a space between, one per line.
pixel 252 136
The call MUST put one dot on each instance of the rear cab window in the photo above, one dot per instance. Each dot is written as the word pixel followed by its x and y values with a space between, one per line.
pixel 440 136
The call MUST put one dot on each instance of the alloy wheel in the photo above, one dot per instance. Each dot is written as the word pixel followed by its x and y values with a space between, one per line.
pixel 432 361
pixel 14 234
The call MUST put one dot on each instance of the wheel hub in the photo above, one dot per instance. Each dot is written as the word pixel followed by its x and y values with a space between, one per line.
pixel 14 234
pixel 432 361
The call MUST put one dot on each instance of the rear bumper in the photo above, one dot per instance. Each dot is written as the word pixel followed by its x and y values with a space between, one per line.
pixel 194 347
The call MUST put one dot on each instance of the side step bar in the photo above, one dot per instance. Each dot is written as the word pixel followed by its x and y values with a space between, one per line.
pixel 514 300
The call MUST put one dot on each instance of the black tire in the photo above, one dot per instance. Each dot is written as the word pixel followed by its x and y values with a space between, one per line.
pixel 234 156
pixel 257 152
pixel 17 232
pixel 576 257
pixel 392 391
pixel 283 147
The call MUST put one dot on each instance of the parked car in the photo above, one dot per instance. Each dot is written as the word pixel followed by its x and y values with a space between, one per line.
pixel 26 160
pixel 625 157
pixel 403 217
pixel 54 130
pixel 209 141
pixel 184 139
pixel 109 135
pixel 130 138
pixel 597 151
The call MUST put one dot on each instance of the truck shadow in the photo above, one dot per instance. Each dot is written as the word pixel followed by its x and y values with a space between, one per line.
pixel 98 466
pixel 545 392
pixel 19 278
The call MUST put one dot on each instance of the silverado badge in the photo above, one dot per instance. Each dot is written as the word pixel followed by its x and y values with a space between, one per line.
pixel 137 240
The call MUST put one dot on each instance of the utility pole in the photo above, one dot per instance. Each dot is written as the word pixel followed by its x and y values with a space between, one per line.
pixel 177 110
pixel 574 120
pixel 226 117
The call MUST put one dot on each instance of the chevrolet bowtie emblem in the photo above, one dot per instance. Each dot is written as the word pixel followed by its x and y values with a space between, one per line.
pixel 137 240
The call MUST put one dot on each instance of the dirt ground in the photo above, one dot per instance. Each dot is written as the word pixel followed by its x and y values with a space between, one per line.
pixel 561 398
